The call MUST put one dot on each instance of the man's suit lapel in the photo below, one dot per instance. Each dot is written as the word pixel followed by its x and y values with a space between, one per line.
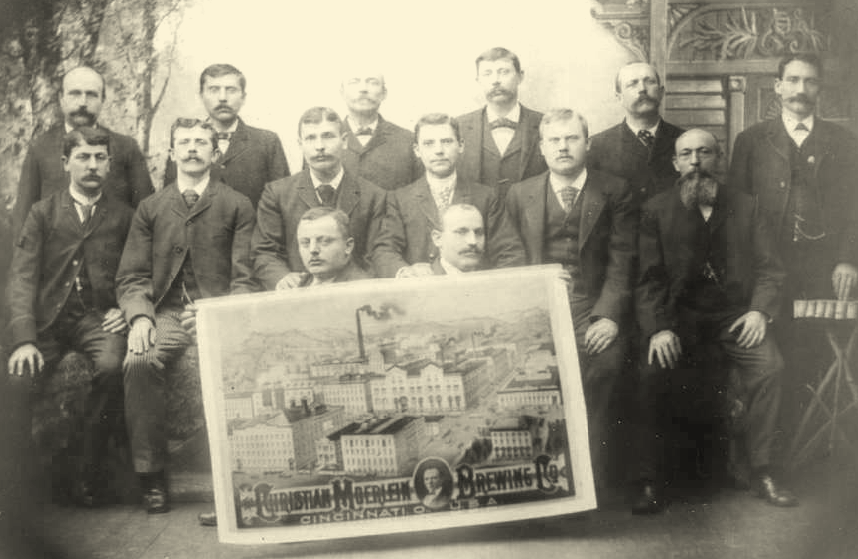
pixel 426 203
pixel 633 146
pixel 237 144
pixel 664 146
pixel 176 202
pixel 353 143
pixel 820 143
pixel 529 127
pixel 205 200
pixel 348 194
pixel 591 208
pixel 306 192
pixel 379 137
pixel 471 127
pixel 534 218
pixel 778 139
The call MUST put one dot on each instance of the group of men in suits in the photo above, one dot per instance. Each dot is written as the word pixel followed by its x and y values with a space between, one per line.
pixel 659 252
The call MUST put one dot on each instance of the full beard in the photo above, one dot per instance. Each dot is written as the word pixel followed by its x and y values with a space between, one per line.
pixel 698 188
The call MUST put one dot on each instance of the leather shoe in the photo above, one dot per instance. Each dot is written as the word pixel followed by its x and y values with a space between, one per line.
pixel 649 500
pixel 207 518
pixel 156 500
pixel 766 488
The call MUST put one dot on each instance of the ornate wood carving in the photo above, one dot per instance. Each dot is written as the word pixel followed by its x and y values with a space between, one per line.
pixel 629 21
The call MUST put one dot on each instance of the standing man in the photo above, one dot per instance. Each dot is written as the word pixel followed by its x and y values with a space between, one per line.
pixel 81 99
pixel 188 241
pixel 639 149
pixel 709 283
pixel 586 221
pixel 376 150
pixel 405 247
pixel 62 293
pixel 460 240
pixel 803 172
pixel 250 157
pixel 502 137
pixel 276 255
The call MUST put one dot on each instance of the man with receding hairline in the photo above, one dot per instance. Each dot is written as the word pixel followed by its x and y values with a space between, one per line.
pixel 640 148
pixel 502 138
pixel 460 239
pixel 376 149
pixel 249 157
pixel 81 98
pixel 709 284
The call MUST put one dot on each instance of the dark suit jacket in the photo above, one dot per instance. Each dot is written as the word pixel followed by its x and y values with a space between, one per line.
pixel 406 236
pixel 284 201
pixel 608 235
pixel 216 233
pixel 43 173
pixel 255 157
pixel 387 160
pixel 761 166
pixel 46 262
pixel 742 255
pixel 471 127
pixel 352 272
pixel 618 151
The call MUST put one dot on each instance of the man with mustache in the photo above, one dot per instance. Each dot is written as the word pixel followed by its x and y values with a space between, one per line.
pixel 460 239
pixel 249 157
pixel 276 254
pixel 376 149
pixel 639 149
pixel 404 247
pixel 62 294
pixel 708 288
pixel 586 221
pixel 803 169
pixel 501 137
pixel 81 99
pixel 189 240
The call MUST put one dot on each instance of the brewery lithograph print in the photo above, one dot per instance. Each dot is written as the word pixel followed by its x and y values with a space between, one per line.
pixel 394 406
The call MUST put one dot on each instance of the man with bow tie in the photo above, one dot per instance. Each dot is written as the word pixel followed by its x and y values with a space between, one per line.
pixel 376 149
pixel 276 255
pixel 586 221
pixel 639 149
pixel 188 241
pixel 405 247
pixel 249 157
pixel 62 294
pixel 502 137
pixel 803 171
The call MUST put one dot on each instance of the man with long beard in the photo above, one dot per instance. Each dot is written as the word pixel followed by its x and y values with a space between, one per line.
pixel 709 284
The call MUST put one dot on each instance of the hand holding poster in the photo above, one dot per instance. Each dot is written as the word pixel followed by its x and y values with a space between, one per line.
pixel 393 406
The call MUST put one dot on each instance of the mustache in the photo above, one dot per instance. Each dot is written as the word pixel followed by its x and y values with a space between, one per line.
pixel 801 98
pixel 499 91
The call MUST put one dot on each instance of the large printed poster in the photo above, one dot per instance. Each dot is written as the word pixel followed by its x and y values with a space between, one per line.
pixel 394 405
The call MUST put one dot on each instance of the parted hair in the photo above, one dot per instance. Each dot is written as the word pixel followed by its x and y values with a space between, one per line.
pixel 432 119
pixel 806 57
pixel 219 70
pixel 340 217
pixel 193 123
pixel 85 136
pixel 317 115
pixel 499 53
pixel 559 115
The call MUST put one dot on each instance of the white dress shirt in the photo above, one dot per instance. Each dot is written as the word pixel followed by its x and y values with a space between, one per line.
pixel 503 136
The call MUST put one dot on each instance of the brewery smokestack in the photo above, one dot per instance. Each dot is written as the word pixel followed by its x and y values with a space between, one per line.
pixel 360 336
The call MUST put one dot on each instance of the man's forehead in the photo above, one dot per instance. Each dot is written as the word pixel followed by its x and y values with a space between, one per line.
pixel 192 133
pixel 83 78
pixel 564 125
pixel 88 149
pixel 319 127
pixel 226 79
pixel 499 62
pixel 695 139
pixel 437 130
pixel 639 70
pixel 363 75
pixel 800 68
pixel 456 218
pixel 326 226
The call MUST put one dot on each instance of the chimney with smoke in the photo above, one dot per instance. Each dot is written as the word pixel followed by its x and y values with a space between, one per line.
pixel 361 348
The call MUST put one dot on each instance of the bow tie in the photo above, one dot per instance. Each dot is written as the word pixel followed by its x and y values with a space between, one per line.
pixel 503 123
pixel 364 131
pixel 800 127
pixel 224 136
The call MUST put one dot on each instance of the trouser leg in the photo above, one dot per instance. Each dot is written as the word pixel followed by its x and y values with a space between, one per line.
pixel 145 400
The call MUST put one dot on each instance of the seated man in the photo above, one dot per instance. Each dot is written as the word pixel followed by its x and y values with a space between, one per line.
pixel 326 248
pixel 461 241
pixel 62 293
pixel 709 279
pixel 188 241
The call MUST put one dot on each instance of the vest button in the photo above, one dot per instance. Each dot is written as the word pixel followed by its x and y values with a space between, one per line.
pixel 783 184
pixel 74 262
pixel 177 250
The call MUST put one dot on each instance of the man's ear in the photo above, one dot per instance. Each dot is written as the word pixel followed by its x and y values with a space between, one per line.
pixel 65 163
pixel 350 246
pixel 675 164
pixel 436 238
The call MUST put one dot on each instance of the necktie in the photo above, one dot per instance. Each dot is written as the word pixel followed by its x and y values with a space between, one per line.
pixel 86 213
pixel 444 199
pixel 326 194
pixel 224 136
pixel 190 197
pixel 800 127
pixel 646 137
pixel 569 194
pixel 364 131
pixel 503 123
